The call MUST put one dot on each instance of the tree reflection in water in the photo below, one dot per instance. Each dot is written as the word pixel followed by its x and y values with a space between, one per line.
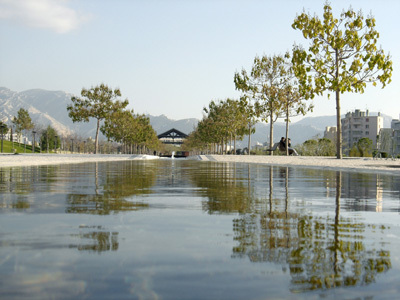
pixel 224 192
pixel 96 239
pixel 320 252
pixel 113 184
pixel 92 188
pixel 331 253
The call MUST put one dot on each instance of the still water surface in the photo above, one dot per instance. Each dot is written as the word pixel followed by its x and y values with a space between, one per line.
pixel 178 229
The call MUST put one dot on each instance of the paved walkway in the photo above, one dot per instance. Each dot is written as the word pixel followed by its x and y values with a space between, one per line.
pixel 348 163
pixel 14 160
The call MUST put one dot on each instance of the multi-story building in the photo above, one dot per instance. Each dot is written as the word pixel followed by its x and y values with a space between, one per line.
pixel 359 124
pixel 330 133
pixel 395 125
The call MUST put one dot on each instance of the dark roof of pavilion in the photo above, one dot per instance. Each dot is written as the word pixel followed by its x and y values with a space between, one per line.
pixel 172 133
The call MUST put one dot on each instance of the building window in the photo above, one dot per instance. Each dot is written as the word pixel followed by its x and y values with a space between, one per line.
pixel 367 133
pixel 366 126
pixel 367 120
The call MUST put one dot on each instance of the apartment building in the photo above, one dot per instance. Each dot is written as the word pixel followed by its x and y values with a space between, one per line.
pixel 395 125
pixel 359 124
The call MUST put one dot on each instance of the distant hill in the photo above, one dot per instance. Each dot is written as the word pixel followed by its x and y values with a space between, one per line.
pixel 319 123
pixel 298 133
pixel 50 108
pixel 162 124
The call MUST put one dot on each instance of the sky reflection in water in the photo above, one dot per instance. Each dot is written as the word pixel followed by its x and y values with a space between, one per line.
pixel 177 229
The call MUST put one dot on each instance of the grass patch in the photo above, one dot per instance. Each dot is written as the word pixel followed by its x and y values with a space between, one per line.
pixel 19 148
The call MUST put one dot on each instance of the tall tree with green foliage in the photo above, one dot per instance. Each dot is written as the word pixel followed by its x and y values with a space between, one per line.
pixel 3 128
pixel 143 135
pixel 3 131
pixel 22 122
pixel 342 57
pixel 237 118
pixel 226 121
pixel 119 126
pixel 292 105
pixel 292 102
pixel 97 102
pixel 205 134
pixel 364 146
pixel 49 139
pixel 263 86
pixel 250 112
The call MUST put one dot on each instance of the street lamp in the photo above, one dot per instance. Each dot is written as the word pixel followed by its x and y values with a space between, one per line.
pixel 12 136
pixel 2 126
pixel 33 145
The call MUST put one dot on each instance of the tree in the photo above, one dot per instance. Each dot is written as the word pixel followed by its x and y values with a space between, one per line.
pixel 342 57
pixel 364 145
pixel 317 147
pixel 3 128
pixel 225 120
pixel 263 86
pixel 237 117
pixel 292 101
pixel 22 122
pixel 292 105
pixel 97 102
pixel 124 127
pixel 49 139
pixel 119 126
pixel 144 135
pixel 250 119
pixel 205 133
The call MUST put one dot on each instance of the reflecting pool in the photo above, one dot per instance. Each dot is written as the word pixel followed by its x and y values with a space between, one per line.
pixel 181 229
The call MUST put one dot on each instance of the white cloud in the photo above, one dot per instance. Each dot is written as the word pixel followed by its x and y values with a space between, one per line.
pixel 50 14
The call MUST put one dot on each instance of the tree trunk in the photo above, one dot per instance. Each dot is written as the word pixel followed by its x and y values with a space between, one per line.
pixel 338 122
pixel 96 148
pixel 271 133
pixel 337 219
pixel 248 148
pixel 287 128
pixel 339 127
pixel 234 145
pixel 230 143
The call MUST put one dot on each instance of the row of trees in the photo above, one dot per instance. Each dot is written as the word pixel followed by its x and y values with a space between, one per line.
pixel 270 91
pixel 133 131
pixel 342 57
pixel 113 120
pixel 225 122
pixel 22 125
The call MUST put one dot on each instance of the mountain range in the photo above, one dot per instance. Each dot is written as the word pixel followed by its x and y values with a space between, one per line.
pixel 50 108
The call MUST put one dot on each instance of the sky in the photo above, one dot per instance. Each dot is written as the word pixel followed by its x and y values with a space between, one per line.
pixel 171 57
